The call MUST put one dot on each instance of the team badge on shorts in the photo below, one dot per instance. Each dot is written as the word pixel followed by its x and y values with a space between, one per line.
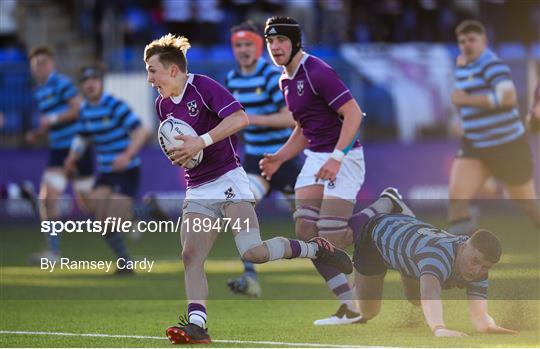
pixel 300 87
pixel 229 193
pixel 192 108
pixel 331 184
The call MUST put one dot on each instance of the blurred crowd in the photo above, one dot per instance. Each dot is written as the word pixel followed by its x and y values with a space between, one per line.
pixel 116 31
pixel 325 22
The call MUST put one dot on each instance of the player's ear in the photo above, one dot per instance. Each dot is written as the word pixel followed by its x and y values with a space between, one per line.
pixel 174 70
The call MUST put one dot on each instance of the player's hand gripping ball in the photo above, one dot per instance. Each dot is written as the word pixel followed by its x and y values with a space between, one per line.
pixel 170 128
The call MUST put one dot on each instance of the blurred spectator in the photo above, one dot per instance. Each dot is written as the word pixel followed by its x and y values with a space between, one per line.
pixel 197 20
pixel 493 13
pixel 332 22
pixel 238 10
pixel 304 12
pixel 209 16
pixel 136 22
pixel 179 17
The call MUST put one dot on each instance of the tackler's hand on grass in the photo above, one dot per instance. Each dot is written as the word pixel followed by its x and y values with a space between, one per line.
pixel 495 329
pixel 444 332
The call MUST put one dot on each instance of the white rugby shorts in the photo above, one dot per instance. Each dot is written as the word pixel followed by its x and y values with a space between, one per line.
pixel 349 179
pixel 210 198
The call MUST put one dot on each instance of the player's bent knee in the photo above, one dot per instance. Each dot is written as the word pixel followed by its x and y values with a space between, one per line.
pixel 247 242
pixel 276 248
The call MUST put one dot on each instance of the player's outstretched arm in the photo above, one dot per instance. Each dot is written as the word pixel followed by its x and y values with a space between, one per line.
pixel 270 163
pixel 503 96
pixel 430 292
pixel 72 113
pixel 282 119
pixel 138 138
pixel 482 322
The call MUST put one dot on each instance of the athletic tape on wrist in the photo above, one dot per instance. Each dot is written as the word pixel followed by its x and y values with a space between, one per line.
pixel 207 139
pixel 337 155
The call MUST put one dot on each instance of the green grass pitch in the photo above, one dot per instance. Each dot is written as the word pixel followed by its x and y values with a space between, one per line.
pixel 112 311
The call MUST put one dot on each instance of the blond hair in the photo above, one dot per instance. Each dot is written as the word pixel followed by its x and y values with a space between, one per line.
pixel 171 49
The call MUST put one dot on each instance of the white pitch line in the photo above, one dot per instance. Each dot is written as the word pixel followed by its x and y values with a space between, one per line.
pixel 213 340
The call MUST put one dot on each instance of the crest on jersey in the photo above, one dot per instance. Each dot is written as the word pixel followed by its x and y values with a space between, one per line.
pixel 229 193
pixel 300 87
pixel 286 90
pixel 192 108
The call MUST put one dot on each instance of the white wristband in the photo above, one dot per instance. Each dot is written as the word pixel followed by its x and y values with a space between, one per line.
pixel 207 139
pixel 337 155
pixel 78 144
pixel 53 118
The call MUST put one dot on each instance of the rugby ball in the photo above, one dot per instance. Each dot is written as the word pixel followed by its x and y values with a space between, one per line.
pixel 170 128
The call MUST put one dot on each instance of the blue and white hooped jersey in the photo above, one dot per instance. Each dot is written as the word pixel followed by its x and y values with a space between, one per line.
pixel 109 124
pixel 259 93
pixel 415 248
pixel 487 127
pixel 53 97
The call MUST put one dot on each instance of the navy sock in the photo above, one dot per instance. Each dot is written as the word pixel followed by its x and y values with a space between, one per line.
pixel 249 269
pixel 116 243
pixel 53 242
